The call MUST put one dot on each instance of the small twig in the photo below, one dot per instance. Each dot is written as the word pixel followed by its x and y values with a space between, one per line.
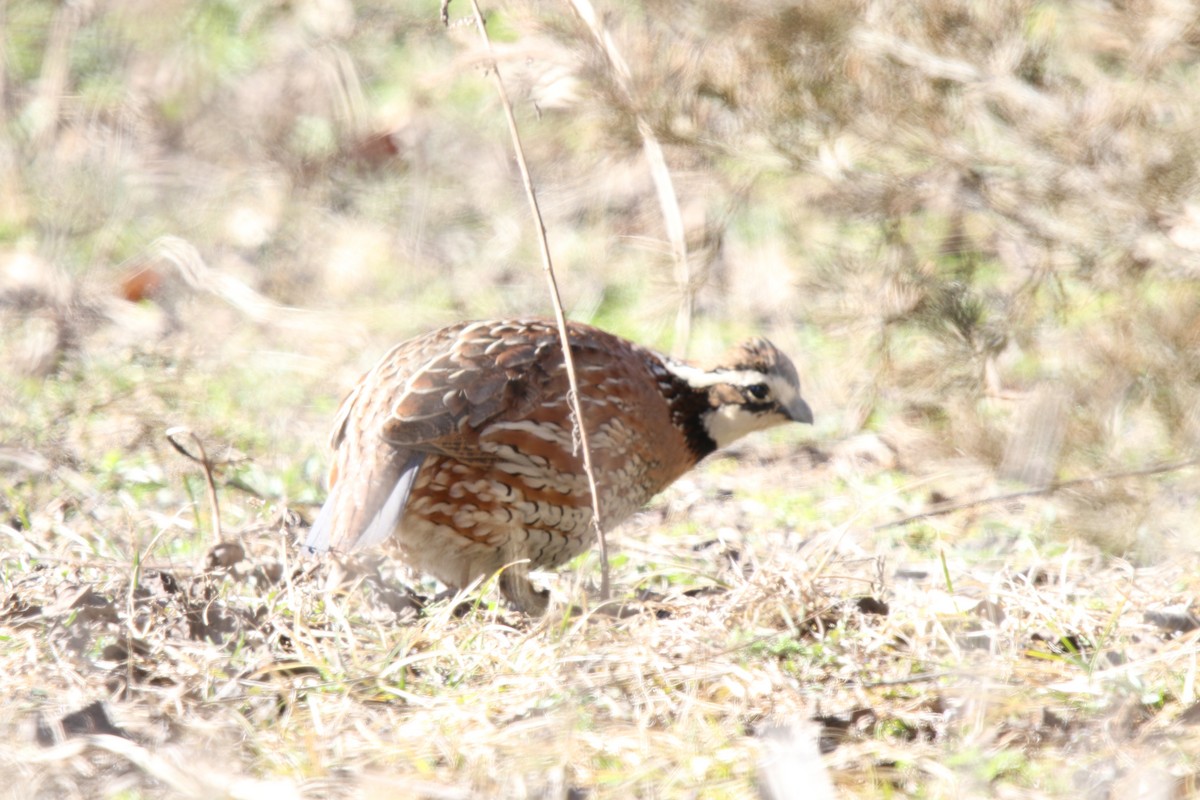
pixel 950 507
pixel 668 199
pixel 555 297
pixel 204 462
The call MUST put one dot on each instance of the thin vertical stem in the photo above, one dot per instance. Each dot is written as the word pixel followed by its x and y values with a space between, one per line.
pixel 656 160
pixel 556 300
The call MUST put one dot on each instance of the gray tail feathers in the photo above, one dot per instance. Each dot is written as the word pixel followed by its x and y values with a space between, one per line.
pixel 338 527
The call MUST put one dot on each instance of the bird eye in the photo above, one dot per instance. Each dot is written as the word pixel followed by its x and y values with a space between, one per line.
pixel 758 391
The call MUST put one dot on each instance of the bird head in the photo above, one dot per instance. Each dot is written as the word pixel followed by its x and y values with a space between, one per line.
pixel 752 388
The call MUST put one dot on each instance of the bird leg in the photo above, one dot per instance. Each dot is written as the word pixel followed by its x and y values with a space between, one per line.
pixel 517 589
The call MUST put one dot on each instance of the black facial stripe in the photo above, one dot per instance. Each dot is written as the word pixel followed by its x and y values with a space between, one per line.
pixel 689 406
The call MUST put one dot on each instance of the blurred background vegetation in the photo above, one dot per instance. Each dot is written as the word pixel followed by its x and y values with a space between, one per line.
pixel 975 224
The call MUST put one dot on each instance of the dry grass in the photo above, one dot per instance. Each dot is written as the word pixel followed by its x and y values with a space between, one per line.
pixel 974 226
pixel 962 661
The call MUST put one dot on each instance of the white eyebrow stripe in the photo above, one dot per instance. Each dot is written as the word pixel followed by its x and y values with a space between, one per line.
pixel 700 379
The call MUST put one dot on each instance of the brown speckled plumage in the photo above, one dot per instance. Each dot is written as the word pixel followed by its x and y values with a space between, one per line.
pixel 458 446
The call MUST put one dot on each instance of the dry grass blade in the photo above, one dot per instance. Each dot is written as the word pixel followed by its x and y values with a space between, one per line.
pixel 555 299
pixel 656 160
pixel 183 255
pixel 940 509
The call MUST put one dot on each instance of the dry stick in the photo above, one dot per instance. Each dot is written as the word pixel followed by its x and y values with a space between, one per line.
pixel 668 200
pixel 204 462
pixel 947 508
pixel 559 316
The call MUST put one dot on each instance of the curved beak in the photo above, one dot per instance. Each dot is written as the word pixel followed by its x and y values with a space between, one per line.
pixel 798 411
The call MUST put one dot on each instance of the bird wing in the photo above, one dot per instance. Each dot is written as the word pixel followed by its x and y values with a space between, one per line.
pixel 486 371
pixel 428 396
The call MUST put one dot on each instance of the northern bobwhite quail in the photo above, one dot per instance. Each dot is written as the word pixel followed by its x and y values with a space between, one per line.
pixel 459 445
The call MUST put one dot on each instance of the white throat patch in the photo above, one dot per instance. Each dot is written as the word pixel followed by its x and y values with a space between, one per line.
pixel 727 424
